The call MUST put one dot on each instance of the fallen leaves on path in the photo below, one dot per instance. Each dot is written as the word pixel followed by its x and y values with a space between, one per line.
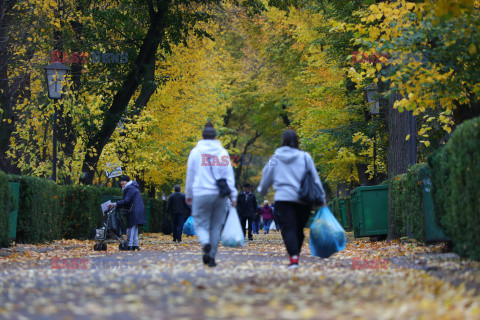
pixel 167 280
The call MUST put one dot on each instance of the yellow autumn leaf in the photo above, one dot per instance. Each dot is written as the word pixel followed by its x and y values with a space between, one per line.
pixel 472 49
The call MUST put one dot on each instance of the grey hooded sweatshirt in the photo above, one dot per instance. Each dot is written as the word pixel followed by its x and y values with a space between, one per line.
pixel 285 170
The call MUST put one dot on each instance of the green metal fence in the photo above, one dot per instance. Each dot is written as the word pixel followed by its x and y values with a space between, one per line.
pixel 12 230
pixel 432 231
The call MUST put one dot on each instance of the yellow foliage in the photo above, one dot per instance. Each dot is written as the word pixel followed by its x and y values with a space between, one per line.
pixel 158 142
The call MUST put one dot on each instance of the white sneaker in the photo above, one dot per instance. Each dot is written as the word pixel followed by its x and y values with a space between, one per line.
pixel 293 266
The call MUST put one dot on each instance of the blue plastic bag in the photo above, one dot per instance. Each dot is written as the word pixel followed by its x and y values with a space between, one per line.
pixel 326 235
pixel 188 227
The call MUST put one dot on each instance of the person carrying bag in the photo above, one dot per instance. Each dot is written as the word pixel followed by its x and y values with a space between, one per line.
pixel 210 180
pixel 294 177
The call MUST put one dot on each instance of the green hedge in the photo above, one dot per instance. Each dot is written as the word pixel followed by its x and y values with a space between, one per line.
pixel 40 210
pixel 441 189
pixel 49 212
pixel 337 212
pixel 6 206
pixel 82 210
pixel 456 188
pixel 335 205
pixel 407 202
pixel 157 215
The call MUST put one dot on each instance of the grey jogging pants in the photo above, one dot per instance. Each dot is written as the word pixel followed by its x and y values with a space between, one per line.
pixel 209 215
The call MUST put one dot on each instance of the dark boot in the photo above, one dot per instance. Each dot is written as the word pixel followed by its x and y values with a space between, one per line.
pixel 129 248
pixel 206 253
pixel 136 248
pixel 212 263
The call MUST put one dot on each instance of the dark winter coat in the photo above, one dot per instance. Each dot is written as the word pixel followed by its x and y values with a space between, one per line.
pixel 133 204
pixel 267 212
pixel 247 208
pixel 176 204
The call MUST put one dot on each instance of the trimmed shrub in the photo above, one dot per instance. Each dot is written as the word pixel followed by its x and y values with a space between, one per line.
pixel 335 207
pixel 82 210
pixel 440 190
pixel 6 206
pixel 337 212
pixel 157 215
pixel 40 210
pixel 407 202
pixel 49 212
pixel 348 213
pixel 456 173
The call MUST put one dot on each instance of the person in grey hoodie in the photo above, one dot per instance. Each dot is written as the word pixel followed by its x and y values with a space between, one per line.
pixel 208 162
pixel 285 171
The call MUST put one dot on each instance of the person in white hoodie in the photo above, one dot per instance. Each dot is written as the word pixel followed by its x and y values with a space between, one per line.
pixel 285 171
pixel 207 163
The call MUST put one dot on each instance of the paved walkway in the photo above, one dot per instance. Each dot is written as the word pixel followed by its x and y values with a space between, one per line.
pixel 167 281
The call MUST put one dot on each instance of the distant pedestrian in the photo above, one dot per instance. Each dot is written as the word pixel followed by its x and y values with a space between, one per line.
pixel 177 208
pixel 267 214
pixel 275 218
pixel 285 171
pixel 135 210
pixel 208 171
pixel 256 221
pixel 247 208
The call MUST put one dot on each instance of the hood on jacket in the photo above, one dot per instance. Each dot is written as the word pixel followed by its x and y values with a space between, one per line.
pixel 287 154
pixel 132 184
pixel 209 146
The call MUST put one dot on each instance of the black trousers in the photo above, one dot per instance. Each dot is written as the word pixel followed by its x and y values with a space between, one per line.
pixel 243 222
pixel 178 219
pixel 292 217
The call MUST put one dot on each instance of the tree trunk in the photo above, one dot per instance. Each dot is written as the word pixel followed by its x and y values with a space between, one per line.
pixel 67 137
pixel 238 170
pixel 465 112
pixel 363 176
pixel 398 154
pixel 7 118
pixel 143 63
pixel 284 116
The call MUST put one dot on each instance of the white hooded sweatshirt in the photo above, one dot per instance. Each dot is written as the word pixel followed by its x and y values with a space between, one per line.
pixel 200 180
pixel 285 170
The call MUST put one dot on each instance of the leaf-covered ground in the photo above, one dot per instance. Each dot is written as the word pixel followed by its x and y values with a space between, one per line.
pixel 68 280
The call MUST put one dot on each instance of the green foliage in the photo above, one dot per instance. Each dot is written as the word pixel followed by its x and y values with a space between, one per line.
pixel 157 215
pixel 49 212
pixel 336 209
pixel 40 210
pixel 440 190
pixel 82 210
pixel 336 206
pixel 6 206
pixel 407 202
pixel 456 192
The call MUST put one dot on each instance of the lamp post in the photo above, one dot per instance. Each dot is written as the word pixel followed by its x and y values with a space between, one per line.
pixel 413 142
pixel 55 76
pixel 371 94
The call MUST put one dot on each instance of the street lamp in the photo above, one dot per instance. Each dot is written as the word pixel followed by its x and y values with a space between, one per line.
pixel 55 74
pixel 371 94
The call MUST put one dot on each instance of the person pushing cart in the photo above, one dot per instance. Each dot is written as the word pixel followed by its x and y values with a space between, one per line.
pixel 136 216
